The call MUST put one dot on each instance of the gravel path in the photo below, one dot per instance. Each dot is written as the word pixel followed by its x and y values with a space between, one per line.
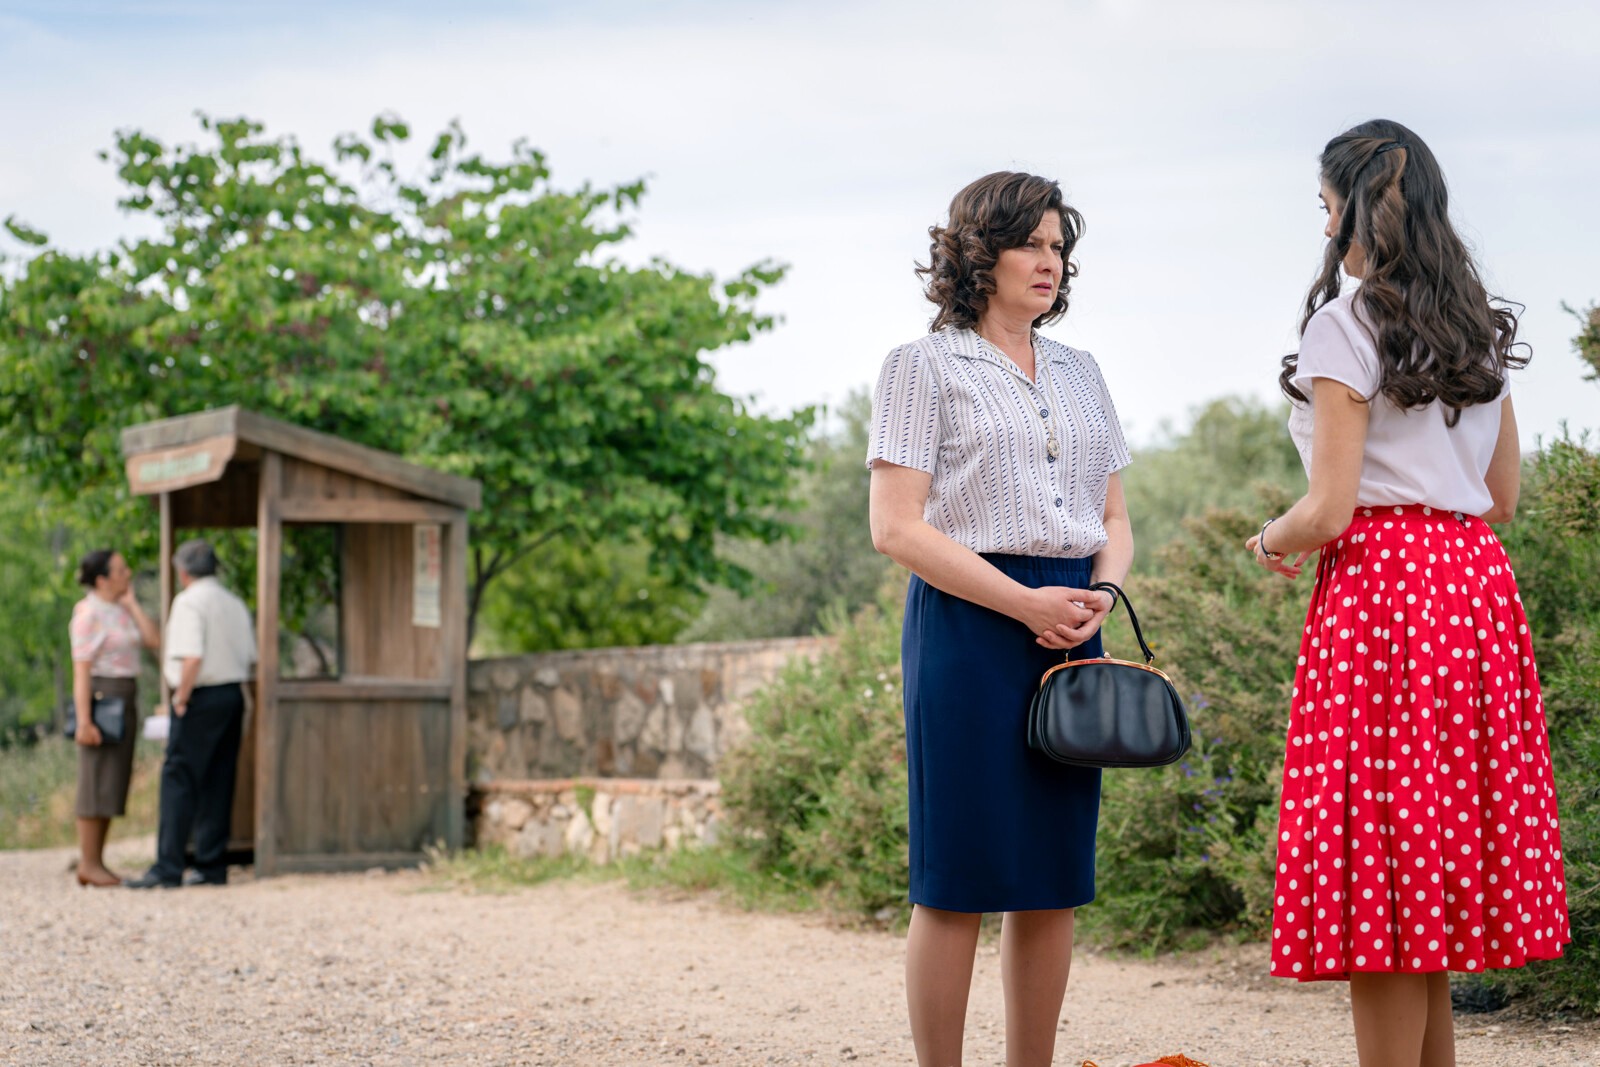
pixel 391 969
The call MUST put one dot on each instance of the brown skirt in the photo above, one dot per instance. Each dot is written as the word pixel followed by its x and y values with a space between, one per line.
pixel 104 770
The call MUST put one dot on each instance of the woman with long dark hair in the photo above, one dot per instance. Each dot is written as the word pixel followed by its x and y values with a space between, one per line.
pixel 994 458
pixel 1418 832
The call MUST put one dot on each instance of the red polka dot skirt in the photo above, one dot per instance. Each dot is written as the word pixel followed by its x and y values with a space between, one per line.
pixel 1418 827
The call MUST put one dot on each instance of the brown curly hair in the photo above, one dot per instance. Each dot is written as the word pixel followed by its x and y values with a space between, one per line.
pixel 994 213
pixel 1439 334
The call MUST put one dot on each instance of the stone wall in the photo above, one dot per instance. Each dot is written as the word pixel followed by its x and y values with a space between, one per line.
pixel 600 818
pixel 655 712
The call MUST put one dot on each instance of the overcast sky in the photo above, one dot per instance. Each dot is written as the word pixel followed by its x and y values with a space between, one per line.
pixel 829 135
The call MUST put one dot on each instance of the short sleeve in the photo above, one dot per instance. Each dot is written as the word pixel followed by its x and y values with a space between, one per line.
pixel 1335 346
pixel 88 633
pixel 905 411
pixel 1119 456
pixel 184 638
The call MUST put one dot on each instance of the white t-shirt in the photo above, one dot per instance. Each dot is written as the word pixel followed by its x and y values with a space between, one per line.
pixel 1412 456
pixel 954 406
pixel 208 622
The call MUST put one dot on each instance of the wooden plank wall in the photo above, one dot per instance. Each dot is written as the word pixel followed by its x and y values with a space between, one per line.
pixel 242 831
pixel 453 647
pixel 303 480
pixel 361 779
pixel 231 502
pixel 379 640
pixel 269 567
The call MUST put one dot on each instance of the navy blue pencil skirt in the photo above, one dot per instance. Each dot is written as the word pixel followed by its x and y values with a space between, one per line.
pixel 995 826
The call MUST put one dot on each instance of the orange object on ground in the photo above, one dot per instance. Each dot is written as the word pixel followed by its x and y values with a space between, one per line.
pixel 1165 1061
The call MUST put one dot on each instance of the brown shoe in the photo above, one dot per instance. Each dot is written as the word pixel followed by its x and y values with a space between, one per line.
pixel 104 881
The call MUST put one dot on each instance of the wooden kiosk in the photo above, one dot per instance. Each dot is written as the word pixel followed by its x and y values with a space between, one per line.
pixel 365 765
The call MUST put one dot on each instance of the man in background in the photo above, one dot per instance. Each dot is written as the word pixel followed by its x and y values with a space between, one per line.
pixel 209 650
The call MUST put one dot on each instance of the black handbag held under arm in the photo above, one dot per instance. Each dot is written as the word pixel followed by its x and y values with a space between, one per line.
pixel 1109 712
pixel 109 714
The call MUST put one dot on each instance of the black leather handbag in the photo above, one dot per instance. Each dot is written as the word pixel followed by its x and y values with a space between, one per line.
pixel 109 714
pixel 1109 712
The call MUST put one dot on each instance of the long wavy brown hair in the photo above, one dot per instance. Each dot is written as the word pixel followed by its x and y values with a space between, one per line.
pixel 1439 334
pixel 994 213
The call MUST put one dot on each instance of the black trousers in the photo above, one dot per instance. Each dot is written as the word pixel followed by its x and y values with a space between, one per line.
pixel 197 780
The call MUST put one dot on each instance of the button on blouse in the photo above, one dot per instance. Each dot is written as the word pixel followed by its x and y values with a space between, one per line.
pixel 953 406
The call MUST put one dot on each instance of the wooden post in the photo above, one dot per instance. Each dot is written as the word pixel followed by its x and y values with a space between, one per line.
pixel 269 556
pixel 166 599
pixel 454 656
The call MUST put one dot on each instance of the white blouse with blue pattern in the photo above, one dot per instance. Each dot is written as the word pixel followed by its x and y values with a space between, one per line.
pixel 954 406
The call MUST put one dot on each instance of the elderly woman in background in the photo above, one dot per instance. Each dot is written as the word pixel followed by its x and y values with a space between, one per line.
pixel 108 627
pixel 994 456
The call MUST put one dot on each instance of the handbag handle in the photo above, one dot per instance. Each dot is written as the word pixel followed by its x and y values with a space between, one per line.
pixel 1116 595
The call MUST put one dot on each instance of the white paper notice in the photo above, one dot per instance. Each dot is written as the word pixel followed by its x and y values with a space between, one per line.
pixel 427 568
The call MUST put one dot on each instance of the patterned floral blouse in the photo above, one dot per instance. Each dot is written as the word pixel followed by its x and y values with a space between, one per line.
pixel 106 636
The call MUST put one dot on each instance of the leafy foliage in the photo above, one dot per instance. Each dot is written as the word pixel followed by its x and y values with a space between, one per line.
pixel 564 596
pixel 467 318
pixel 819 790
pixel 1232 447
pixel 36 593
pixel 1191 845
pixel 567 596
pixel 1555 550
pixel 828 565
pixel 1587 343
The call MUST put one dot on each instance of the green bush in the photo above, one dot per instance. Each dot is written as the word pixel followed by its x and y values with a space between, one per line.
pixel 1231 446
pixel 1190 847
pixel 818 792
pixel 1554 546
pixel 37 557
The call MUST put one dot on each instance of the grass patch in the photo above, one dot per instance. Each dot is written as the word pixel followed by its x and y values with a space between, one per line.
pixel 38 787
pixel 729 872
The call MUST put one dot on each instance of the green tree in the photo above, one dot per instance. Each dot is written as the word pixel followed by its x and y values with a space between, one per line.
pixel 1587 342
pixel 466 316
pixel 568 596
pixel 828 567
pixel 36 599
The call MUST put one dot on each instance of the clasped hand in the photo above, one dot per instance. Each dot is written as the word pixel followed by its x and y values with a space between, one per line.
pixel 1063 618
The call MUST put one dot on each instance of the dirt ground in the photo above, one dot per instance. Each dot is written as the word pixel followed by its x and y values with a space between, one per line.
pixel 391 969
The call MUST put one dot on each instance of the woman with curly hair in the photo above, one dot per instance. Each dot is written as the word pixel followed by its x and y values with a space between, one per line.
pixel 1418 831
pixel 994 453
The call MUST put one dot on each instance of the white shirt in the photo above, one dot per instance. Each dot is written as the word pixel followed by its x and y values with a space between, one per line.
pixel 1412 456
pixel 958 408
pixel 209 622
